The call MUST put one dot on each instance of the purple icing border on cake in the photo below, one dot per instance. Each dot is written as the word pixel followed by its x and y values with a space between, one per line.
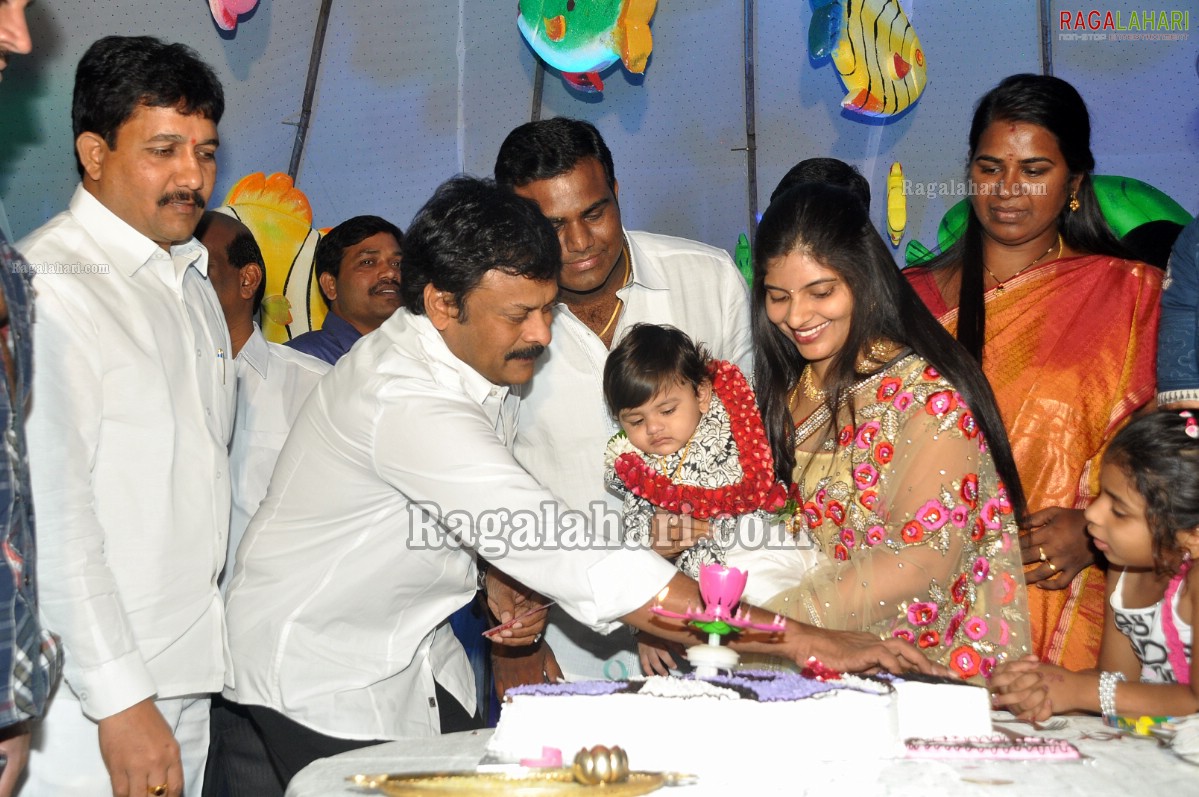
pixel 590 688
pixel 765 686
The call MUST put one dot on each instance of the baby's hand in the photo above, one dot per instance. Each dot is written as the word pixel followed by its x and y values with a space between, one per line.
pixel 655 653
pixel 1019 687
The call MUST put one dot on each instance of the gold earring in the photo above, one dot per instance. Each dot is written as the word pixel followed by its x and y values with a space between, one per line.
pixel 1074 203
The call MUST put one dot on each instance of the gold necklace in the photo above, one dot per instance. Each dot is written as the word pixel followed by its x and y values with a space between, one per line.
pixel 628 272
pixel 674 476
pixel 810 390
pixel 999 284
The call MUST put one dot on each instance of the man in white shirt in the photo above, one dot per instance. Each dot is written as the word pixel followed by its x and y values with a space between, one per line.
pixel 611 279
pixel 398 474
pixel 128 434
pixel 273 382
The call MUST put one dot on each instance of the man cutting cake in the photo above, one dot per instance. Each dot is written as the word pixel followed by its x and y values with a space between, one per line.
pixel 398 477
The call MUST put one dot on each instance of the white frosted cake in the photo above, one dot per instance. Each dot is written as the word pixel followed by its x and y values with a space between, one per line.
pixel 768 723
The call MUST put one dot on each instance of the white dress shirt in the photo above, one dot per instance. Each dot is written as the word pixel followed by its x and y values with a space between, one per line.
pixel 132 412
pixel 273 382
pixel 338 605
pixel 565 425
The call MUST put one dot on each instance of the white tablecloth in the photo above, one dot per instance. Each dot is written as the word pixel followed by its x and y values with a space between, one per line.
pixel 1117 765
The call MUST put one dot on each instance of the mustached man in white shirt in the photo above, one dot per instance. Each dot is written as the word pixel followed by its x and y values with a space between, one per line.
pixel 129 431
pixel 611 280
pixel 398 475
pixel 273 382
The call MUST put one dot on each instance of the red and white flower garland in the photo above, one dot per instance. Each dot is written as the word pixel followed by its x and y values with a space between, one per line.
pixel 757 489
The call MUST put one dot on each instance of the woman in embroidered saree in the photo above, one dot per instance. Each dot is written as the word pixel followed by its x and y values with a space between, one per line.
pixel 891 434
pixel 1064 326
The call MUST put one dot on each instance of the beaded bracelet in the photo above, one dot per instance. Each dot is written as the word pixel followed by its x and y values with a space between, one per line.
pixel 1107 692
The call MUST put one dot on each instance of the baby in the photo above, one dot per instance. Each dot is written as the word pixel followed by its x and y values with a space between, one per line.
pixel 692 443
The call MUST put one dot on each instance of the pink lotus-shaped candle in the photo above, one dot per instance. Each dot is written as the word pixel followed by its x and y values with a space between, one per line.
pixel 721 588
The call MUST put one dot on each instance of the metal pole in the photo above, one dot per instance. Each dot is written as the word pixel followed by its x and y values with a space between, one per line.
pixel 1046 38
pixel 751 133
pixel 314 65
pixel 538 87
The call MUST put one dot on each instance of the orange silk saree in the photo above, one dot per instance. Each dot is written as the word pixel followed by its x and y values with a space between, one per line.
pixel 1070 353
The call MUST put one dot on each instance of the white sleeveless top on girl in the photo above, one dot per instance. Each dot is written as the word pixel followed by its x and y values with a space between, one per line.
pixel 1144 629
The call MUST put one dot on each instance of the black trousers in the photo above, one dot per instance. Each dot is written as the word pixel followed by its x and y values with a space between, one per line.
pixel 238 765
pixel 289 746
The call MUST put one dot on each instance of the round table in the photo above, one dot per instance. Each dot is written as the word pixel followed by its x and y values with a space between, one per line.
pixel 1113 764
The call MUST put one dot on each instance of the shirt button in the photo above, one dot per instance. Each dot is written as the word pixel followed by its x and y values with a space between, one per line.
pixel 197 354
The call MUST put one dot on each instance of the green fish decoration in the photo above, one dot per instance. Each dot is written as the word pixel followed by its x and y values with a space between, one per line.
pixel 581 38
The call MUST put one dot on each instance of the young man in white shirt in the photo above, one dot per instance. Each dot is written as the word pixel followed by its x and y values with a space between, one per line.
pixel 398 475
pixel 611 279
pixel 128 435
pixel 273 382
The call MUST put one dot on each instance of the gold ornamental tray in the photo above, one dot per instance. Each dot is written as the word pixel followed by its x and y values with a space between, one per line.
pixel 528 783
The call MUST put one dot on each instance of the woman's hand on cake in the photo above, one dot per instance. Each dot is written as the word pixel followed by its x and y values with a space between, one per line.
pixel 856 651
pixel 672 534
pixel 1055 539
pixel 518 610
pixel 657 654
pixel 1019 687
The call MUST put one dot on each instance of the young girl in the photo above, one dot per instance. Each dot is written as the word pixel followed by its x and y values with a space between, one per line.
pixel 692 443
pixel 1146 523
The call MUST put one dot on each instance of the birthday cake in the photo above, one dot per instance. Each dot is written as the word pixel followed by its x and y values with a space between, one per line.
pixel 720 727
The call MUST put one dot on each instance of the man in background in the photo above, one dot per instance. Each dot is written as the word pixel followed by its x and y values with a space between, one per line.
pixel 272 383
pixel 29 657
pixel 129 435
pixel 358 269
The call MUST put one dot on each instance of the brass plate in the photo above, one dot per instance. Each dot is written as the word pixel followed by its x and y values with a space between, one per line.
pixel 532 783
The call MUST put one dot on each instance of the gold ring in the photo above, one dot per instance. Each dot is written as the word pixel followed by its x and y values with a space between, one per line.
pixel 1044 558
pixel 1052 566
pixel 157 791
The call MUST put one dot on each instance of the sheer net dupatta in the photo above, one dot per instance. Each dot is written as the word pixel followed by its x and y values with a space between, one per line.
pixel 902 495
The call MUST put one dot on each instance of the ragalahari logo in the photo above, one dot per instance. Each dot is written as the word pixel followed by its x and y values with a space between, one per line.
pixel 1099 25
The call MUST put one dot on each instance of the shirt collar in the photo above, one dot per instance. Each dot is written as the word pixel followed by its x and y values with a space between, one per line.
pixel 127 249
pixel 647 271
pixel 256 353
pixel 456 374
pixel 340 330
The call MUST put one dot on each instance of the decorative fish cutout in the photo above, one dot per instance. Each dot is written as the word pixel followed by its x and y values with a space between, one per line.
pixel 743 256
pixel 280 217
pixel 226 12
pixel 875 49
pixel 581 38
pixel 897 204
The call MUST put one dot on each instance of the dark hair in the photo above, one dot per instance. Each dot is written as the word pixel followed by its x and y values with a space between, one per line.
pixel 333 244
pixel 649 359
pixel 830 225
pixel 549 148
pixel 242 249
pixel 1152 241
pixel 1055 105
pixel 1162 460
pixel 829 171
pixel 119 73
pixel 469 227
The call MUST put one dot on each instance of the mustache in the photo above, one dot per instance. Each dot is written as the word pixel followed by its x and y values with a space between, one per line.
pixel 182 196
pixel 531 353
pixel 385 284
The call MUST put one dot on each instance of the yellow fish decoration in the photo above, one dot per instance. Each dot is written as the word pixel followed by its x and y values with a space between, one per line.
pixel 875 49
pixel 280 217
pixel 581 38
pixel 897 204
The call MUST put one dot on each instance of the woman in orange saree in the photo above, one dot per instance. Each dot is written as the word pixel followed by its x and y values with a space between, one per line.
pixel 1065 327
